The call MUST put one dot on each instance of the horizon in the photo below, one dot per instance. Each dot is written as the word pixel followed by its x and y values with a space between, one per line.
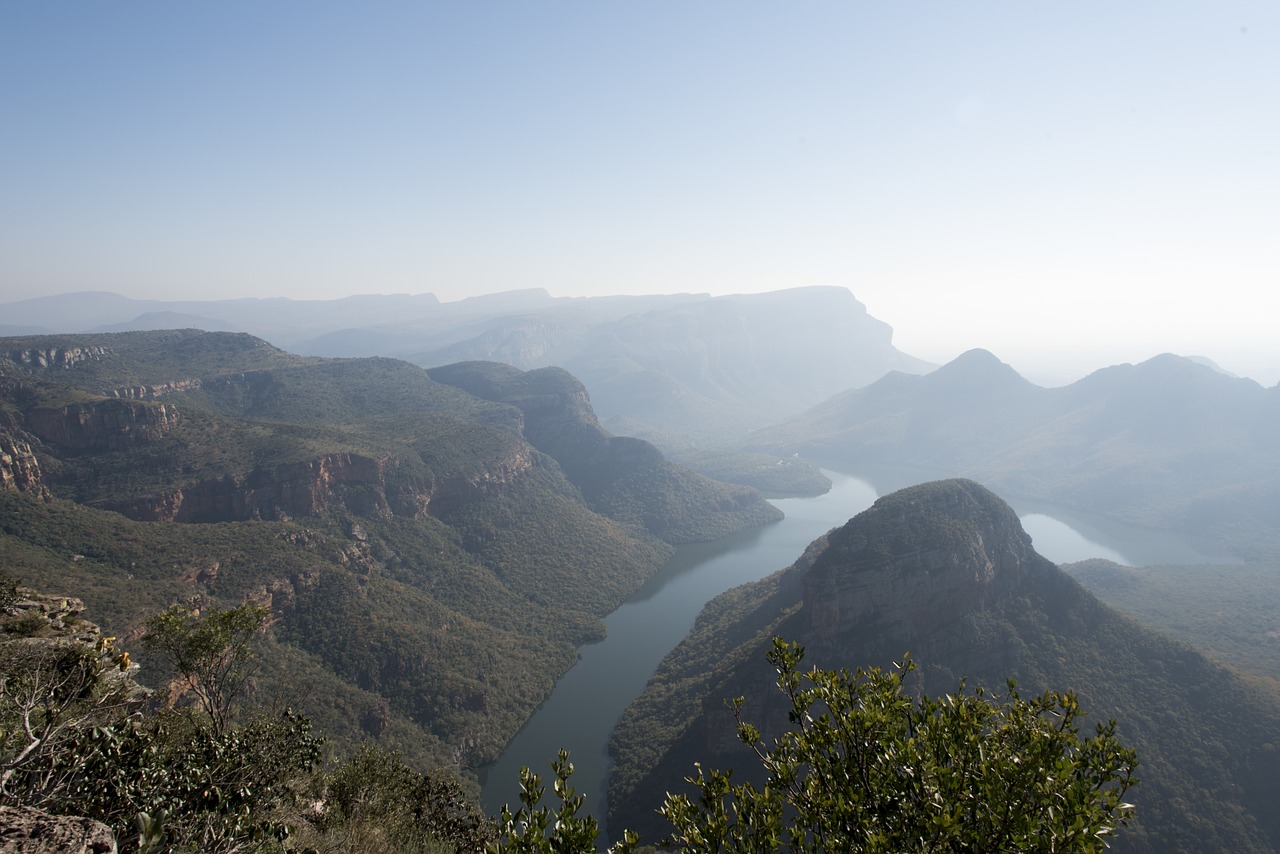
pixel 1039 367
pixel 1065 189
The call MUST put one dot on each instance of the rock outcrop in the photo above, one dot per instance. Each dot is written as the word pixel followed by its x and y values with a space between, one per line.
pixel 914 561
pixel 43 358
pixel 151 392
pixel 625 478
pixel 37 629
pixel 361 484
pixel 26 830
pixel 107 425
pixel 19 468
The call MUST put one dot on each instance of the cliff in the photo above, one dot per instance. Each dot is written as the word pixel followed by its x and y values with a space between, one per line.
pixel 622 477
pixel 429 571
pixel 19 468
pixel 915 561
pixel 108 425
pixel 367 486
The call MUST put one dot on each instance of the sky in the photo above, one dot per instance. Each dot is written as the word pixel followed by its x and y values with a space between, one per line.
pixel 1067 185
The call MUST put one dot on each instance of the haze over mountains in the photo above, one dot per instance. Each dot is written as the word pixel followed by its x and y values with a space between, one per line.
pixel 440 502
pixel 677 367
pixel 1170 443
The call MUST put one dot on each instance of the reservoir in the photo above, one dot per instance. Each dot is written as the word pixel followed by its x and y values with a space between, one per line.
pixel 589 698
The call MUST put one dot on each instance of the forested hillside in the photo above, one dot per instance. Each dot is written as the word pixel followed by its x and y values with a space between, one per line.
pixel 429 571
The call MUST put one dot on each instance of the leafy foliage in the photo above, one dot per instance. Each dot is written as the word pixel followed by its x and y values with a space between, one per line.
pixel 866 768
pixel 535 829
pixel 53 691
pixel 190 788
pixel 8 591
pixel 211 651
pixel 376 802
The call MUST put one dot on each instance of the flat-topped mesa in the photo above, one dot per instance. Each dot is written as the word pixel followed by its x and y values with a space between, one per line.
pixel 916 560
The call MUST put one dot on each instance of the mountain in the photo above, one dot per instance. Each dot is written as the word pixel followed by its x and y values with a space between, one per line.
pixel 431 571
pixel 945 571
pixel 1169 443
pixel 681 370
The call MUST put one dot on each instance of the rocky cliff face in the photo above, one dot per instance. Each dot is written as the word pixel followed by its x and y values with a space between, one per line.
pixel 26 830
pixel 624 478
pixel 42 358
pixel 151 392
pixel 107 425
pixel 360 484
pixel 19 468
pixel 914 561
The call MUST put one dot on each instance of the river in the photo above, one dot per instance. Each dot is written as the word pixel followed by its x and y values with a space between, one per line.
pixel 588 700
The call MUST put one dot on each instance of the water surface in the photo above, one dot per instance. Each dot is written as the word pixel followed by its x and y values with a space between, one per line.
pixel 590 697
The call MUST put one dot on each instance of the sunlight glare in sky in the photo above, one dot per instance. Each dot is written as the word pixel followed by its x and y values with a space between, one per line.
pixel 1029 178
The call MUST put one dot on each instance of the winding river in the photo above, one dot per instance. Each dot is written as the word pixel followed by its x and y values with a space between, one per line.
pixel 588 700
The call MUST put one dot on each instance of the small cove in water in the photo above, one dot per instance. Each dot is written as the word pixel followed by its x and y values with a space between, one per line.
pixel 587 701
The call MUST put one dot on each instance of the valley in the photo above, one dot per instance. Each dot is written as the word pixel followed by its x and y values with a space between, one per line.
pixel 464 564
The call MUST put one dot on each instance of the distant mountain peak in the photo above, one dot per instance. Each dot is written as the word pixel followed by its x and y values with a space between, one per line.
pixel 978 363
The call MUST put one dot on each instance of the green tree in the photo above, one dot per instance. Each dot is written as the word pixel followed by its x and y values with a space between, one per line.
pixel 376 802
pixel 54 691
pixel 212 652
pixel 8 591
pixel 866 768
pixel 534 829
pixel 189 788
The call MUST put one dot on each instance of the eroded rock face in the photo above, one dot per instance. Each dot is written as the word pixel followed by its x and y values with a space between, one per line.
pixel 106 425
pixel 361 484
pixel 54 357
pixel 26 830
pixel 151 392
pixel 19 468
pixel 914 561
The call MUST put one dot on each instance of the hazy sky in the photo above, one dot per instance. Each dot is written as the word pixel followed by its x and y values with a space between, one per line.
pixel 1028 177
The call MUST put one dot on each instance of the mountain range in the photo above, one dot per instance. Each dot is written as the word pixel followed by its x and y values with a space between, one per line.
pixel 439 502
pixel 433 558
pixel 1169 443
pixel 676 369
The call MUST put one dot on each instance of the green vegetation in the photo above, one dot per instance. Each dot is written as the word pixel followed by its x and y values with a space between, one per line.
pixel 865 767
pixel 211 653
pixel 1205 732
pixel 427 571
pixel 188 788
pixel 535 828
pixel 376 803
pixel 1231 612
pixel 73 741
